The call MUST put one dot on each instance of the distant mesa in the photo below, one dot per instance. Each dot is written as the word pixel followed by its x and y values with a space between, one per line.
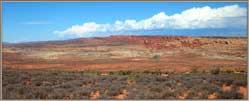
pixel 153 42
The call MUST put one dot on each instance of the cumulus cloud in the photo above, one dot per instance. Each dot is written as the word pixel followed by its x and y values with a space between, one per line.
pixel 231 16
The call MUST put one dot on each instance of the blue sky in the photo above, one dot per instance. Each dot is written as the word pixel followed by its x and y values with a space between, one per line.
pixel 41 21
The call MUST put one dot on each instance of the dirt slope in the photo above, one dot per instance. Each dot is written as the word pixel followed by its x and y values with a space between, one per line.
pixel 168 53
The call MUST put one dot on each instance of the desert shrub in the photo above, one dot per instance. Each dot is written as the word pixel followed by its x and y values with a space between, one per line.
pixel 156 72
pixel 154 96
pixel 98 73
pixel 121 72
pixel 58 93
pixel 230 95
pixel 160 79
pixel 131 77
pixel 21 89
pixel 194 70
pixel 40 94
pixel 82 72
pixel 240 70
pixel 85 92
pixel 91 71
pixel 228 82
pixel 192 95
pixel 171 72
pixel 240 83
pixel 137 95
pixel 229 71
pixel 111 73
pixel 55 72
pixel 38 83
pixel 240 80
pixel 15 79
pixel 156 57
pixel 203 71
pixel 115 90
pixel 215 71
pixel 146 72
pixel 168 95
pixel 156 89
pixel 210 88
pixel 65 84
pixel 143 80
pixel 165 72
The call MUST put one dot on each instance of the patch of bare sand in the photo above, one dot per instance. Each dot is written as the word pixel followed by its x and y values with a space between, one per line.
pixel 183 95
pixel 122 95
pixel 130 82
pixel 212 96
pixel 70 96
pixel 226 87
pixel 94 94
pixel 243 90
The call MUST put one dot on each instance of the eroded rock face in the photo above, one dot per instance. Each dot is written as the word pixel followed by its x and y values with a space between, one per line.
pixel 159 42
pixel 164 42
pixel 221 42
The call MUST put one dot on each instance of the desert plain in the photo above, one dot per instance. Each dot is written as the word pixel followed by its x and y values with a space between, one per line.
pixel 127 67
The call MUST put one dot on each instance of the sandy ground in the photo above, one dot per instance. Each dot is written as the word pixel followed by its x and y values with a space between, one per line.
pixel 133 53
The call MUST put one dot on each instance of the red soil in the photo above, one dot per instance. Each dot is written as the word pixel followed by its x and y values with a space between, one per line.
pixel 179 62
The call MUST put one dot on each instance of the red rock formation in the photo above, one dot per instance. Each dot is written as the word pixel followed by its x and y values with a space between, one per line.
pixel 153 42
pixel 158 42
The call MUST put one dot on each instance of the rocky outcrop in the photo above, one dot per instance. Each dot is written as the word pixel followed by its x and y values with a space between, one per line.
pixel 159 42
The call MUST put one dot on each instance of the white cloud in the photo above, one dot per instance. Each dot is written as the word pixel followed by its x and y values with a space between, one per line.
pixel 204 17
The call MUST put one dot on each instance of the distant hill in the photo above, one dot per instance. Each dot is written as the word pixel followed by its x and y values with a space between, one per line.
pixel 155 42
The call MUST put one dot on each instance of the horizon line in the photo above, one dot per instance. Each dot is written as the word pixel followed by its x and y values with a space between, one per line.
pixel 94 37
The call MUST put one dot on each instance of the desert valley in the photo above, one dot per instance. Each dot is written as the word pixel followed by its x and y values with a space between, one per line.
pixel 127 67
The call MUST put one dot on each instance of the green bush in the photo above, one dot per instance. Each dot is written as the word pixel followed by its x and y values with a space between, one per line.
pixel 124 72
pixel 131 78
pixel 156 89
pixel 230 95
pixel 92 72
pixel 194 70
pixel 146 72
pixel 111 73
pixel 156 72
pixel 215 71
pixel 156 57
pixel 229 71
